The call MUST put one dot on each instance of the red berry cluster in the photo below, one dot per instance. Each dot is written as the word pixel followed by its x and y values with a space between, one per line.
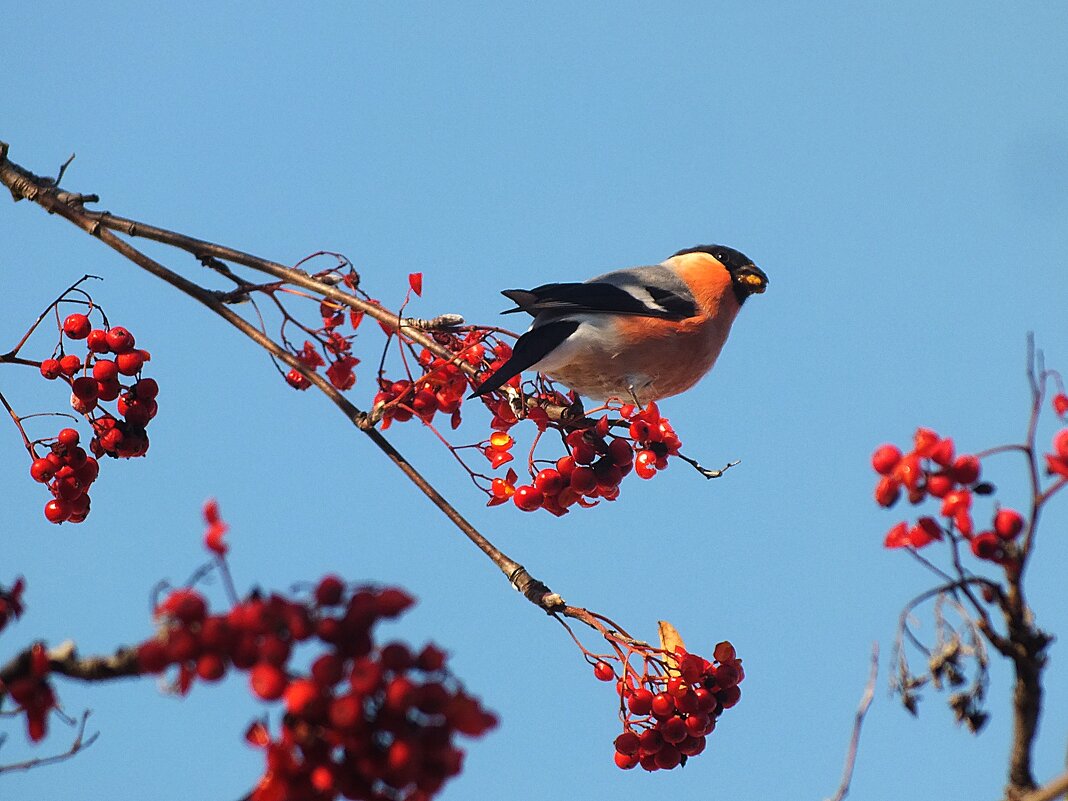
pixel 932 469
pixel 96 379
pixel 69 472
pixel 102 382
pixel 596 463
pixel 34 694
pixel 338 350
pixel 442 386
pixel 365 720
pixel 11 602
pixel 666 719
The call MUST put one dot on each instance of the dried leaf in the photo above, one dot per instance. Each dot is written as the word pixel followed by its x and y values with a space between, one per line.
pixel 670 641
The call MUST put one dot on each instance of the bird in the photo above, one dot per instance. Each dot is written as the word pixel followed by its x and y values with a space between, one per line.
pixel 637 334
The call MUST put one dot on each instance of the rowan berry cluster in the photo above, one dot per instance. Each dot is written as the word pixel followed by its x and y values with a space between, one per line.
pixel 33 693
pixel 933 470
pixel 69 472
pixel 441 387
pixel 11 602
pixel 595 465
pixel 667 717
pixel 110 371
pixel 365 720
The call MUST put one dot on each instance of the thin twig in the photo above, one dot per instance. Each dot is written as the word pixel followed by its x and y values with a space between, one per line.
pixel 858 722
pixel 80 743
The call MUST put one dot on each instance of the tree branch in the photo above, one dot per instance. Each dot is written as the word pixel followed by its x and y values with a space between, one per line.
pixel 23 184
pixel 858 722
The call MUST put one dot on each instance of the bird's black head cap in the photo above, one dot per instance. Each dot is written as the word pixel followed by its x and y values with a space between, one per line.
pixel 747 279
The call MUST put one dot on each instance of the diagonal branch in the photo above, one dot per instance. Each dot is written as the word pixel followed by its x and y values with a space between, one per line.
pixel 23 184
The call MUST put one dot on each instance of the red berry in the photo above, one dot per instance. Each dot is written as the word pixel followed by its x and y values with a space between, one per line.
pixel 887 491
pixel 42 470
pixel 146 389
pixel 645 464
pixel 105 370
pixel 663 705
pixel 565 465
pixel 698 724
pixel 268 681
pixel 130 362
pixel 70 364
pixel 85 389
pixel 939 485
pixel 327 670
pixel 1008 524
pixel 211 667
pixel 549 481
pixel 1060 403
pixel 151 657
pixel 668 757
pixel 187 606
pixel 640 702
pixel 626 761
pixel 119 340
pixel 885 459
pixel 50 369
pixel 603 671
pixel 57 511
pixel 620 452
pixel 650 741
pixel 966 470
pixel 500 488
pixel 986 545
pixel 673 730
pixel 627 743
pixel 68 437
pixel 1060 443
pixel 329 591
pixel 528 498
pixel 607 474
pixel 77 326
pixel 692 746
pixel 391 601
pixel 97 341
pixel 583 480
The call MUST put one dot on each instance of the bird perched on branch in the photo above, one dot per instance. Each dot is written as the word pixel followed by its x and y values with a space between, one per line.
pixel 639 334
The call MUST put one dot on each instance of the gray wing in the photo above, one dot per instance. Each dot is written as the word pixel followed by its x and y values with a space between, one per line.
pixel 654 291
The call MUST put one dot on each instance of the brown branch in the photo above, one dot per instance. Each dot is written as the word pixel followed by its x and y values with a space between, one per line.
pixel 80 743
pixel 25 185
pixel 1056 788
pixel 64 660
pixel 858 722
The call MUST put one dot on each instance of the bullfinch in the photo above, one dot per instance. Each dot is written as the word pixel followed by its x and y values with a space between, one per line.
pixel 638 334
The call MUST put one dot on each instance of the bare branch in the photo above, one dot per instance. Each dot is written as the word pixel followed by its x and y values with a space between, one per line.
pixel 80 743
pixel 1057 788
pixel 64 660
pixel 858 722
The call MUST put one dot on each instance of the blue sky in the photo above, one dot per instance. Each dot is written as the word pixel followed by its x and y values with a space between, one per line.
pixel 898 170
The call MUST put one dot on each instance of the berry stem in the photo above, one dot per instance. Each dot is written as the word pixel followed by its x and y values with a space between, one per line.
pixel 18 424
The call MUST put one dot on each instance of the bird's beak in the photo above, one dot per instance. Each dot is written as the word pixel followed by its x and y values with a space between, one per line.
pixel 752 278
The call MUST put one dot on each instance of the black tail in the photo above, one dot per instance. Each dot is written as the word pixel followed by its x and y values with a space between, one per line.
pixel 529 349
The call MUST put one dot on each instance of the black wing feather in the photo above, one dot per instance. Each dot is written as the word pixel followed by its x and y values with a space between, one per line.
pixel 529 349
pixel 597 297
